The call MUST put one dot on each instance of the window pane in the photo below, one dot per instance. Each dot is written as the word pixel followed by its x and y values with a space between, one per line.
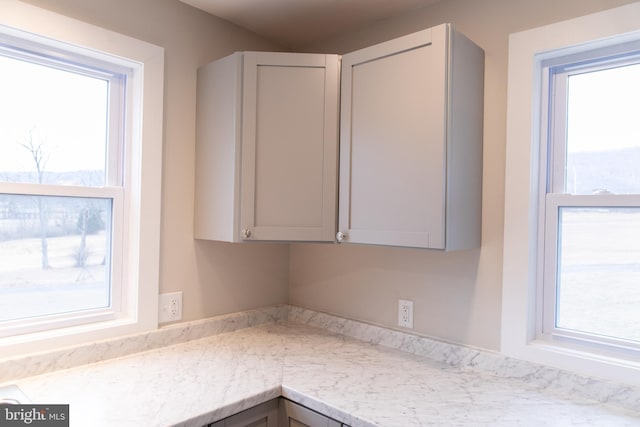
pixel 53 125
pixel 55 255
pixel 599 271
pixel 603 131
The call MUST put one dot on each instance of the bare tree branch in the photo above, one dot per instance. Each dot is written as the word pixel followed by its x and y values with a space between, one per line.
pixel 38 154
pixel 40 158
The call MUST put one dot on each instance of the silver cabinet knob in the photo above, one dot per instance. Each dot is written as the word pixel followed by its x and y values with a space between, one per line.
pixel 340 236
pixel 246 233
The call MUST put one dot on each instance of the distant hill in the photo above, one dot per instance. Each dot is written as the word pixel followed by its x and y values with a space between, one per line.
pixel 616 171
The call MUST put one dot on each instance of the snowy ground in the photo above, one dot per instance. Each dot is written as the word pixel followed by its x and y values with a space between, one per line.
pixel 27 290
pixel 600 280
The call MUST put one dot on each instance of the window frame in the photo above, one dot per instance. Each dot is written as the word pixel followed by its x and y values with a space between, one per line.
pixel 113 187
pixel 117 308
pixel 141 169
pixel 546 325
pixel 554 196
pixel 521 302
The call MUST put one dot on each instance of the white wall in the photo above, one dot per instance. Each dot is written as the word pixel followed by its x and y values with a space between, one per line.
pixel 215 278
pixel 457 295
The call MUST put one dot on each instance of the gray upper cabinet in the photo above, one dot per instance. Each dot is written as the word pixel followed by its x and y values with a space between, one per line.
pixel 411 142
pixel 409 113
pixel 266 151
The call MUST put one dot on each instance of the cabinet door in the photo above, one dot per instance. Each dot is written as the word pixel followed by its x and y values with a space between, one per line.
pixel 294 415
pixel 289 146
pixel 392 146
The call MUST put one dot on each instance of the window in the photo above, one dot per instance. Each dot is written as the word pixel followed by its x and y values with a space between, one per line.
pixel 78 263
pixel 571 197
pixel 61 187
pixel 590 205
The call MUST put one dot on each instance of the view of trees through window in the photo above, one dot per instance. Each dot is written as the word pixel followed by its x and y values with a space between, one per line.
pixel 54 240
pixel 54 255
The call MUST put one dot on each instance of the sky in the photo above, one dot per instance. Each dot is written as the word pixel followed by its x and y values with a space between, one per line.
pixel 604 110
pixel 67 112
pixel 63 110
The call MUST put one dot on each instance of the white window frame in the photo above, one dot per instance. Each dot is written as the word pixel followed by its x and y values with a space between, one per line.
pixel 141 196
pixel 24 48
pixel 555 72
pixel 548 260
pixel 523 237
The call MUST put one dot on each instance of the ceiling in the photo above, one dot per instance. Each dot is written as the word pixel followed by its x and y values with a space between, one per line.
pixel 296 23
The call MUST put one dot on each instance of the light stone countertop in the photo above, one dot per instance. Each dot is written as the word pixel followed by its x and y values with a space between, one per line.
pixel 358 382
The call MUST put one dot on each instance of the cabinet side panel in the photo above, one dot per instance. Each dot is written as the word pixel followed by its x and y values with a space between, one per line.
pixel 464 150
pixel 216 168
pixel 330 155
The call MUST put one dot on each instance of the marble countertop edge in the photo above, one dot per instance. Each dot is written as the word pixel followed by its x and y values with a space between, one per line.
pixel 16 368
pixel 543 378
pixel 232 408
pixel 471 359
pixel 311 402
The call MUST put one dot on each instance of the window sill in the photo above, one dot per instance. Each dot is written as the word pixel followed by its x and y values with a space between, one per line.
pixel 560 356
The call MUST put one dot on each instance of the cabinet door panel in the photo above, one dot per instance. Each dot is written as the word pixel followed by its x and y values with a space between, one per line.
pixel 393 142
pixel 289 146
pixel 289 143
pixel 293 415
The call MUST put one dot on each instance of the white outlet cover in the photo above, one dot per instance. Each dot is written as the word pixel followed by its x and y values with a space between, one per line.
pixel 405 313
pixel 170 307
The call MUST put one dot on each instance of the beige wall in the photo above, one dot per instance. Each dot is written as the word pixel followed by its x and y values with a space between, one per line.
pixel 215 278
pixel 457 295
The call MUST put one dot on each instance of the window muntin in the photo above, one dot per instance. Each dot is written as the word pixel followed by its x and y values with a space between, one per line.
pixel 61 187
pixel 591 250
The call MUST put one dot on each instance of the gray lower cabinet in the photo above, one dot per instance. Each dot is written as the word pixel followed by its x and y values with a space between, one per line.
pixel 278 413
pixel 293 415
pixel 263 415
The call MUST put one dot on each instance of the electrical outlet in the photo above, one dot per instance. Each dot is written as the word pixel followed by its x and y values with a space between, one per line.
pixel 170 307
pixel 405 313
